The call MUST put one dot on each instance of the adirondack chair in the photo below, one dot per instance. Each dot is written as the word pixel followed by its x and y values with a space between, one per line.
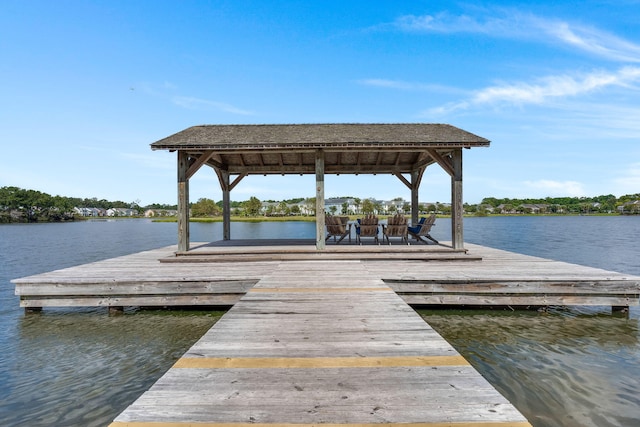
pixel 422 229
pixel 367 227
pixel 337 227
pixel 396 227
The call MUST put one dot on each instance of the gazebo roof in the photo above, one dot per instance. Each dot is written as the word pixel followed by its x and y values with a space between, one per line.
pixel 348 148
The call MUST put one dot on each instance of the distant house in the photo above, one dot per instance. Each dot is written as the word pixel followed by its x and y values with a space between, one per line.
pixel 533 208
pixel 337 203
pixel 393 206
pixel 117 212
pixel 151 213
pixel 89 212
pixel 303 208
pixel 630 207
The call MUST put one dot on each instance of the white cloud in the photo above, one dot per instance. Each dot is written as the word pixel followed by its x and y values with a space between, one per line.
pixel 592 40
pixel 545 89
pixel 199 104
pixel 409 86
pixel 506 23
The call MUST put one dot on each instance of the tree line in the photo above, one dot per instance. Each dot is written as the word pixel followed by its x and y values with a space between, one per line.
pixel 561 205
pixel 21 205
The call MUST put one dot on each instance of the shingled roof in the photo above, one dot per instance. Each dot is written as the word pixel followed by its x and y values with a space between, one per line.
pixel 348 148
pixel 229 137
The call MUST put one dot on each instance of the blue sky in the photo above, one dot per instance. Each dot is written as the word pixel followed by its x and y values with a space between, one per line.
pixel 86 86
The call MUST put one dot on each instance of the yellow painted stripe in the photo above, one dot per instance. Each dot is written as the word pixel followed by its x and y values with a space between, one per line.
pixel 291 290
pixel 205 424
pixel 317 362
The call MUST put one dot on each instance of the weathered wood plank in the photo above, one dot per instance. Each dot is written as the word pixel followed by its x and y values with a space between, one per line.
pixel 224 300
pixel 342 352
pixel 496 280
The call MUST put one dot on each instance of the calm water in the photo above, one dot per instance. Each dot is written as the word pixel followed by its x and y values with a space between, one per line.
pixel 79 367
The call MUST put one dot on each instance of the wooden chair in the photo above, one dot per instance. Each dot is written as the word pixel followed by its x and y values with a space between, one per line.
pixel 367 227
pixel 396 227
pixel 422 229
pixel 338 227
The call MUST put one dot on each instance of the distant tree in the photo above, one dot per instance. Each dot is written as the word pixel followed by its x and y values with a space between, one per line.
pixel 333 209
pixel 368 206
pixel 252 206
pixel 204 207
pixel 345 208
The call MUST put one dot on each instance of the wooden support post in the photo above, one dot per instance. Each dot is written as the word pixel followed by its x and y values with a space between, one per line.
pixel 620 311
pixel 320 242
pixel 226 205
pixel 115 310
pixel 415 186
pixel 457 239
pixel 183 201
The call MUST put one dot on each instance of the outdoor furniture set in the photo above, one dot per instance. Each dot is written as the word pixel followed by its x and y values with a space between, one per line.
pixel 339 227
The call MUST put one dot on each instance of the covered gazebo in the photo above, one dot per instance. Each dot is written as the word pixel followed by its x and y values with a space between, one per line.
pixel 237 151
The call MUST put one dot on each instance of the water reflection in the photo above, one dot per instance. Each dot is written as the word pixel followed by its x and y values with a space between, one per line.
pixel 565 368
pixel 91 366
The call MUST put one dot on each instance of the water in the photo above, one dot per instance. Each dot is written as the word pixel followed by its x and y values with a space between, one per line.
pixel 79 367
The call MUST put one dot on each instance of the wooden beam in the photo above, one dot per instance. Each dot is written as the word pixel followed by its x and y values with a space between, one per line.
pixel 456 200
pixel 416 178
pixel 183 201
pixel 226 204
pixel 237 180
pixel 404 180
pixel 216 164
pixel 310 169
pixel 199 161
pixel 320 242
pixel 444 162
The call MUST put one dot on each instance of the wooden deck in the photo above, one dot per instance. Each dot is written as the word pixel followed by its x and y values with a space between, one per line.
pixel 324 338
pixel 219 275
pixel 321 342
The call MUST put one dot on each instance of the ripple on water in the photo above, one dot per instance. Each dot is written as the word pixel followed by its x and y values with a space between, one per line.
pixel 83 368
pixel 565 368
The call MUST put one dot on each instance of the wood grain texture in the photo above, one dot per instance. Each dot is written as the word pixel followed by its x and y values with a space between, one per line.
pixel 322 356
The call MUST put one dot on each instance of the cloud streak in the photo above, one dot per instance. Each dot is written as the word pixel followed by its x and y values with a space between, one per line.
pixel 199 104
pixel 408 86
pixel 513 24
pixel 545 89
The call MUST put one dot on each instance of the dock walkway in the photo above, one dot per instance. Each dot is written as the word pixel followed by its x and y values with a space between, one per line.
pixel 321 342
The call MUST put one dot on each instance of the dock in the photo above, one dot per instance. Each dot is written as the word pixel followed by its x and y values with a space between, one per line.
pixel 324 337
pixel 220 273
pixel 321 342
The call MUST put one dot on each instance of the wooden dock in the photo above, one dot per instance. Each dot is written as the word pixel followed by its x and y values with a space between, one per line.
pixel 324 338
pixel 220 274
pixel 321 342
